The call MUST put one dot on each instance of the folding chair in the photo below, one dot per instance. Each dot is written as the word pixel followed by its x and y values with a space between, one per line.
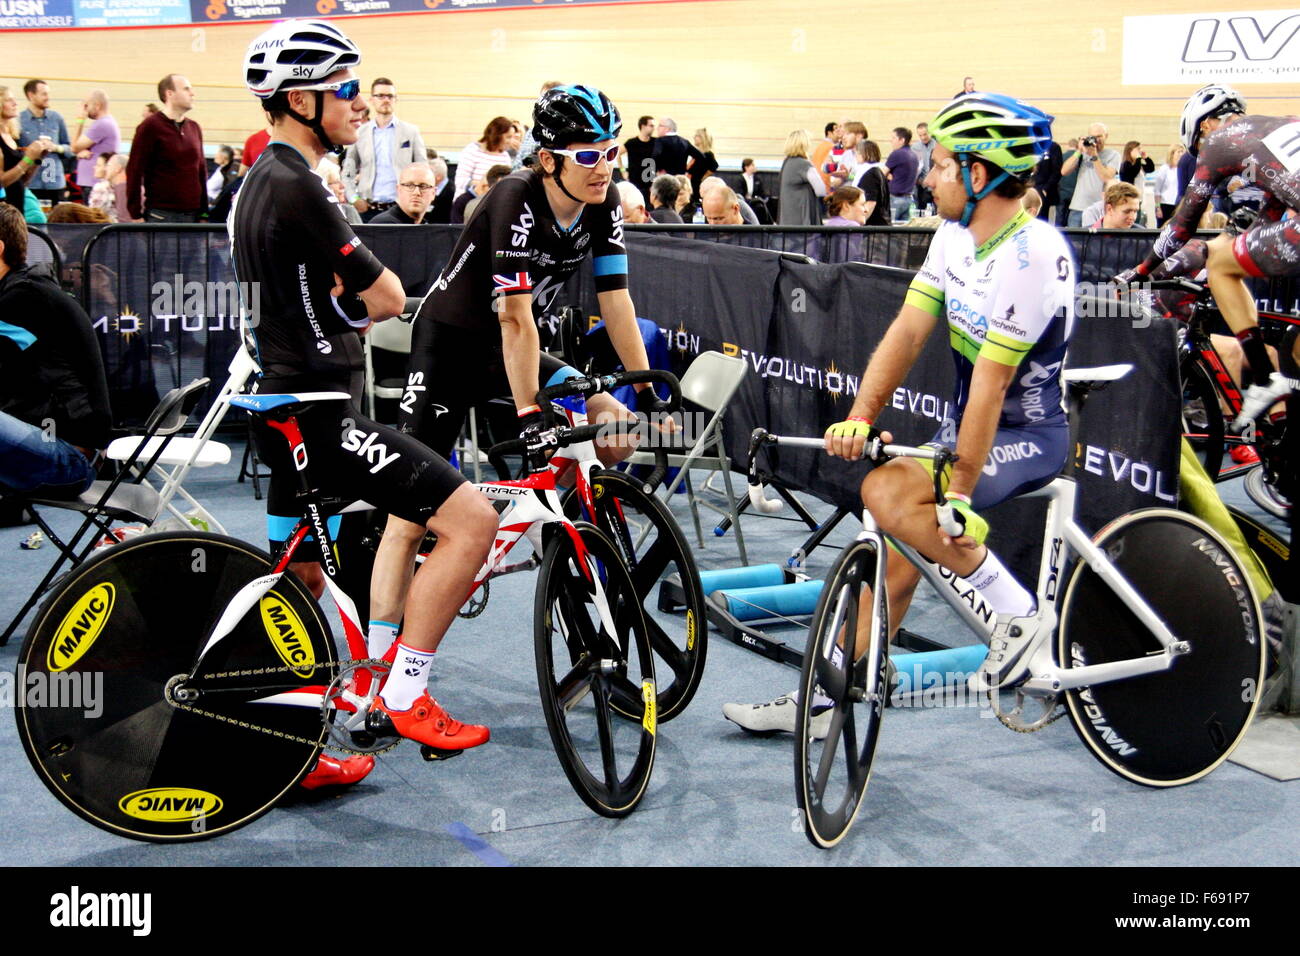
pixel 182 454
pixel 710 382
pixel 127 497
pixel 388 345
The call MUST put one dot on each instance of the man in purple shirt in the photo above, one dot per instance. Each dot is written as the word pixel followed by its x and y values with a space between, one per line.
pixel 96 133
pixel 902 165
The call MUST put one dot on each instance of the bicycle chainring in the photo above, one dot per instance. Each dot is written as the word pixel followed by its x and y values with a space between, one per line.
pixel 344 708
pixel 477 602
pixel 1030 713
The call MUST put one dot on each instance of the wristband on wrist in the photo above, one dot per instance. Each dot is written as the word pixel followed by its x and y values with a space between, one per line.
pixel 528 410
pixel 858 418
pixel 951 495
pixel 29 161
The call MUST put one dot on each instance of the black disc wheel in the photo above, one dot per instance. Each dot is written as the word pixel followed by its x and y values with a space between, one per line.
pixel 1176 725
pixel 129 735
pixel 841 703
pixel 660 561
pixel 595 670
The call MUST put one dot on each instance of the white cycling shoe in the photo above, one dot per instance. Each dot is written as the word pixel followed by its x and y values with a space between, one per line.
pixel 776 716
pixel 1008 657
pixel 1258 399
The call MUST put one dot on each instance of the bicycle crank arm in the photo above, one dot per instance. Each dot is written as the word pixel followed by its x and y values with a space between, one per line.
pixel 1072 678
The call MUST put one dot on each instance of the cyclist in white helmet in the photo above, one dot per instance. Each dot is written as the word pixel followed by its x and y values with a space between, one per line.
pixel 319 291
pixel 1265 151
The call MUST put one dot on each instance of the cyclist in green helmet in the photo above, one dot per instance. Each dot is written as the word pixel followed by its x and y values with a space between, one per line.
pixel 1002 282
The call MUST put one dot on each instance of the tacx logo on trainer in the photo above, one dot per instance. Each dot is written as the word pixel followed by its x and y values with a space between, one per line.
pixel 287 634
pixel 369 447
pixel 80 626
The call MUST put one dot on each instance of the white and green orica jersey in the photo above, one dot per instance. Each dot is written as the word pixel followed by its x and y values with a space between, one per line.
pixel 1010 300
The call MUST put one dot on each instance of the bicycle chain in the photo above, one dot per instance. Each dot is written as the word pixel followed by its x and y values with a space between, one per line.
pixel 293 738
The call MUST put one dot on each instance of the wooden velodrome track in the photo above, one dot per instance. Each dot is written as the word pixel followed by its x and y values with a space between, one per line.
pixel 749 70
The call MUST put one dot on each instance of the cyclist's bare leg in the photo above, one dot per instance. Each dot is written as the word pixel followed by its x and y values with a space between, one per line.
pixel 390 579
pixel 466 525
pixel 900 496
pixel 311 574
pixel 1227 280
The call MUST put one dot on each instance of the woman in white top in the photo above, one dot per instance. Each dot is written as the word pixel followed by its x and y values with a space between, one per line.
pixel 477 158
pixel 1167 184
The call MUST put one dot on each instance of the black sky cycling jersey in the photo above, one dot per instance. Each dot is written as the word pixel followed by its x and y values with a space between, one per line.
pixel 292 246
pixel 1265 151
pixel 512 245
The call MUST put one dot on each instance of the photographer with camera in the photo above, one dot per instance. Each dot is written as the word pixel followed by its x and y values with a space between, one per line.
pixel 1097 167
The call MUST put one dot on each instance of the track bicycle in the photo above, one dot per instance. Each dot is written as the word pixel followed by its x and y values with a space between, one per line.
pixel 647 535
pixel 205 645
pixel 1212 399
pixel 1154 643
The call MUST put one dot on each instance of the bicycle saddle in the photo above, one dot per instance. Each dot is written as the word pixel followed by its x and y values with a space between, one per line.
pixel 288 403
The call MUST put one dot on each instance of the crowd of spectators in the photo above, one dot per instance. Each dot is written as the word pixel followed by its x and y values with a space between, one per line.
pixel 390 176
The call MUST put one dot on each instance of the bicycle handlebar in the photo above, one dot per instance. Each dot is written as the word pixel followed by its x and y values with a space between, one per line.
pixel 586 385
pixel 875 450
pixel 1180 284
pixel 561 436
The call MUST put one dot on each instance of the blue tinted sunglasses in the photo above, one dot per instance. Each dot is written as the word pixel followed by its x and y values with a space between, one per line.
pixel 347 90
pixel 590 158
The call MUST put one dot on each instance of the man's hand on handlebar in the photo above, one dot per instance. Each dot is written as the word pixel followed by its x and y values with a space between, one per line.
pixel 848 438
pixel 656 410
pixel 1127 278
pixel 959 524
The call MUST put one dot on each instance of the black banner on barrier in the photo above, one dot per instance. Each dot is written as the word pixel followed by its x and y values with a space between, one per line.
pixel 708 297
pixel 824 323
pixel 166 302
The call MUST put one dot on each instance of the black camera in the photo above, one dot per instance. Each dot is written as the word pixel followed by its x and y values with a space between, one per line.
pixel 1089 141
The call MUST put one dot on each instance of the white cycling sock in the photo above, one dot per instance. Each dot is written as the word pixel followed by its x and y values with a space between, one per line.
pixel 997 586
pixel 408 679
pixel 380 637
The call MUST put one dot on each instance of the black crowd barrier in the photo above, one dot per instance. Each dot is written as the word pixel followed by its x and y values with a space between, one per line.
pixel 806 331
pixel 165 302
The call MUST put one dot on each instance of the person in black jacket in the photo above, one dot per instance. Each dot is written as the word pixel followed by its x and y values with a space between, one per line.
pixel 1047 180
pixel 53 394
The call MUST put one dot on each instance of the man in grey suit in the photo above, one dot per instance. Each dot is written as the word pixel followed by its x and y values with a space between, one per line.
pixel 384 146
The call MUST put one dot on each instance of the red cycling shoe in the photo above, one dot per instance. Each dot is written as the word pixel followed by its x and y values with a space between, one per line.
pixel 427 723
pixel 333 772
pixel 1244 455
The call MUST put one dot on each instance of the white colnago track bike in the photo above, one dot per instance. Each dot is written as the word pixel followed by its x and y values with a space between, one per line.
pixel 1154 643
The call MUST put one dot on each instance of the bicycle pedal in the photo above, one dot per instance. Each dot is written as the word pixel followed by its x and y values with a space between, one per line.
pixel 433 753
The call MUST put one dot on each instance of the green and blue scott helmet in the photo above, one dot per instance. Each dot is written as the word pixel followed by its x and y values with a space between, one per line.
pixel 1000 130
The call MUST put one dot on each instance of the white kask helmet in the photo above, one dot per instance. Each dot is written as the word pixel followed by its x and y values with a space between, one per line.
pixel 1207 102
pixel 296 53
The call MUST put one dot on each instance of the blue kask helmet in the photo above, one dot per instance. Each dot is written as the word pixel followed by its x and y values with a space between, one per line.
pixel 574 114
